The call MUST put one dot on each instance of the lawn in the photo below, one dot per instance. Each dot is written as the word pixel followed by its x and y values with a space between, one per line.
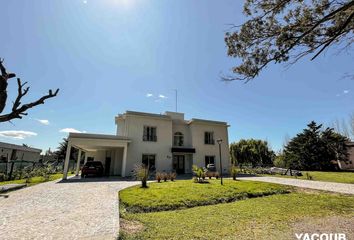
pixel 35 180
pixel 340 177
pixel 273 217
pixel 186 194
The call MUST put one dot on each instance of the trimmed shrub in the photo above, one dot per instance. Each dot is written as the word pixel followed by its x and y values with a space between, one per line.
pixel 158 176
pixel 173 176
pixel 141 173
pixel 199 174
pixel 233 172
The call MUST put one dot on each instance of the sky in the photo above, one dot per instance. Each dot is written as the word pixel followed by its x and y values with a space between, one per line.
pixel 109 56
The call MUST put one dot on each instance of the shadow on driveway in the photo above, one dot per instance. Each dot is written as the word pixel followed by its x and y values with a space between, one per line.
pixel 78 179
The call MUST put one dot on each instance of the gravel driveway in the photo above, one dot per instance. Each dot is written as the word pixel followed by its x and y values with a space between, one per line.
pixel 73 209
pixel 326 186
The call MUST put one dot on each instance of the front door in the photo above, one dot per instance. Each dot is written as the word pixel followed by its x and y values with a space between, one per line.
pixel 178 164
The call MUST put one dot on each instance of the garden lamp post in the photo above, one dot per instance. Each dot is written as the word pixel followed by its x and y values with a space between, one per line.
pixel 219 141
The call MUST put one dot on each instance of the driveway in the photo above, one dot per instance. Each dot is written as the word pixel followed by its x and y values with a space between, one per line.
pixel 74 209
pixel 345 188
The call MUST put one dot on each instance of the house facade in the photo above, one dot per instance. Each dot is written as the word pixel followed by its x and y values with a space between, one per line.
pixel 162 142
pixel 13 155
pixel 13 152
pixel 349 164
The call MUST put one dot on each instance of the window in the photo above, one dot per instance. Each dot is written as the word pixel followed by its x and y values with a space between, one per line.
pixel 178 139
pixel 209 160
pixel 209 138
pixel 149 134
pixel 149 161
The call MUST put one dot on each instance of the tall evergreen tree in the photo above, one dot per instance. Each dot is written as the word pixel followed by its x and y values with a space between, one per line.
pixel 61 151
pixel 314 149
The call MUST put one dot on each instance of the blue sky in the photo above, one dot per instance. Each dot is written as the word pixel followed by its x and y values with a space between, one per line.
pixel 107 55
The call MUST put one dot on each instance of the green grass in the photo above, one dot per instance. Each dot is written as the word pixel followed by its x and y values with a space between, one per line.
pixel 340 177
pixel 185 194
pixel 271 217
pixel 35 180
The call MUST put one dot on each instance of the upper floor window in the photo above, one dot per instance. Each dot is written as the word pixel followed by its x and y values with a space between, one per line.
pixel 209 138
pixel 178 139
pixel 149 134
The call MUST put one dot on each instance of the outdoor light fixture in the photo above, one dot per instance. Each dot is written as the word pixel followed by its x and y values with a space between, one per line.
pixel 219 141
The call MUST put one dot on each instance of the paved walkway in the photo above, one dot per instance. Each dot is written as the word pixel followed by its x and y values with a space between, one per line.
pixel 62 210
pixel 326 186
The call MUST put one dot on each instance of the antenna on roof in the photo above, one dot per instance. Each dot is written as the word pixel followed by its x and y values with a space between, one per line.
pixel 176 99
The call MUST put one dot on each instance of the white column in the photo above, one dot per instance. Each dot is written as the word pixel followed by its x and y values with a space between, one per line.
pixel 78 163
pixel 67 159
pixel 124 163
pixel 86 154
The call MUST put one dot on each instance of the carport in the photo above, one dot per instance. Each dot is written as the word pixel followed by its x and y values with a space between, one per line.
pixel 98 146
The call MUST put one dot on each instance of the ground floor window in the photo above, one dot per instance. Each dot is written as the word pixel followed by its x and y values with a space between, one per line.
pixel 149 161
pixel 209 160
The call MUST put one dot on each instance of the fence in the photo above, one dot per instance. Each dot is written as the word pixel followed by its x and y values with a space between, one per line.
pixel 15 169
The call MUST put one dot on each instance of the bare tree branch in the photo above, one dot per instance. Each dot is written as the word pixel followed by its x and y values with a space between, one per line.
pixel 17 110
pixel 281 31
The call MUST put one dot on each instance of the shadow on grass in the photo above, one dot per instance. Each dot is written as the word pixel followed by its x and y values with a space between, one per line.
pixel 78 179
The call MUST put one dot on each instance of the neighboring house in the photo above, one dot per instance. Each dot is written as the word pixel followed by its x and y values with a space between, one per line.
pixel 10 152
pixel 163 142
pixel 350 163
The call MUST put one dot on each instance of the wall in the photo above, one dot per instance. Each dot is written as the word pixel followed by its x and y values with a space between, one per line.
pixel 134 129
pixel 220 131
pixel 20 154
pixel 132 126
pixel 179 126
pixel 350 163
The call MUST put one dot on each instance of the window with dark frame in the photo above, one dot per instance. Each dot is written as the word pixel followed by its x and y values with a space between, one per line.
pixel 149 134
pixel 178 139
pixel 149 161
pixel 209 160
pixel 209 138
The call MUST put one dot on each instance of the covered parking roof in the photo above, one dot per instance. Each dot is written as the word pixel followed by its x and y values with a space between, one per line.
pixel 92 142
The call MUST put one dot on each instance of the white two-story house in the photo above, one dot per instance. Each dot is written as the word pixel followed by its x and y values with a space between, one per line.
pixel 163 142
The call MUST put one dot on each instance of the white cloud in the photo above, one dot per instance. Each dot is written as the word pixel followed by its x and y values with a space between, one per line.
pixel 346 91
pixel 17 134
pixel 43 121
pixel 85 2
pixel 149 95
pixel 162 96
pixel 70 130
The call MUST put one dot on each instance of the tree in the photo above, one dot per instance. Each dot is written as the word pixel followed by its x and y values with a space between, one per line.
pixel 287 30
pixel 345 127
pixel 251 152
pixel 314 149
pixel 60 153
pixel 18 110
pixel 279 160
